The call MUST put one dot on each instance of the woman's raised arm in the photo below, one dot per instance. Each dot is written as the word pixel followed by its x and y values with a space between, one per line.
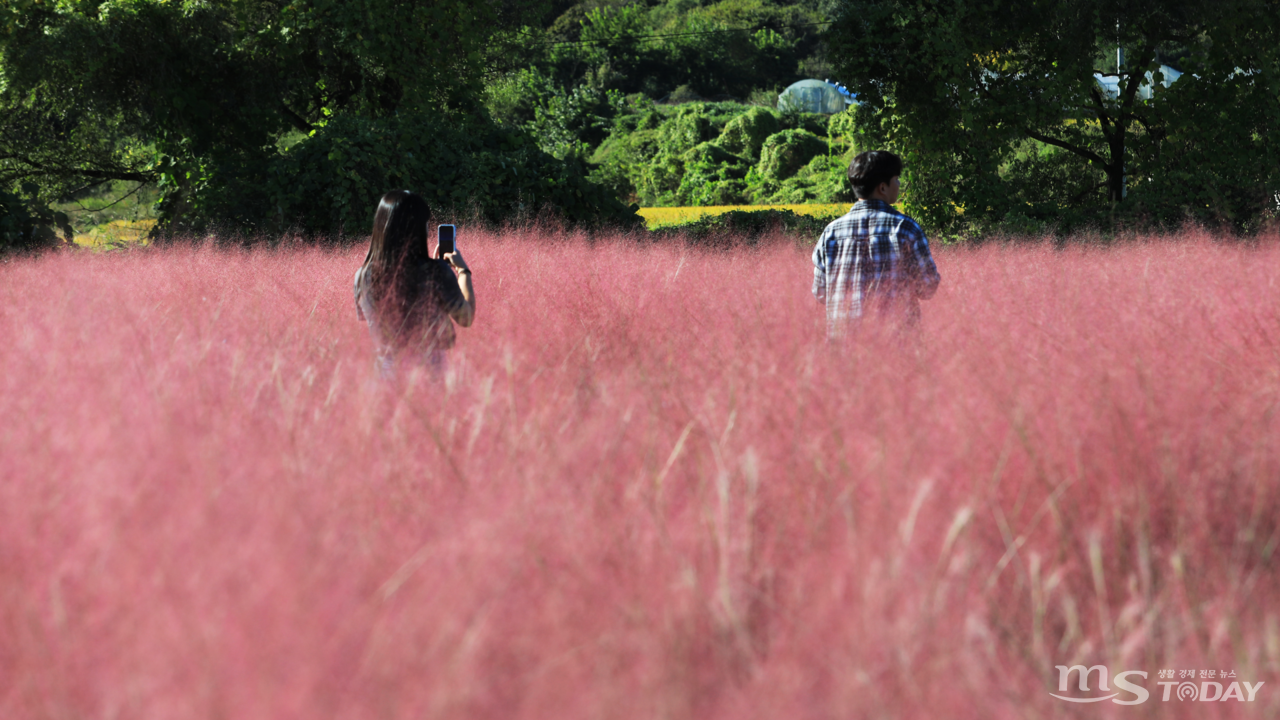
pixel 466 313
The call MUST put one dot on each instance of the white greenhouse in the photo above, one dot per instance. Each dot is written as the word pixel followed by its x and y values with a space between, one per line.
pixel 815 96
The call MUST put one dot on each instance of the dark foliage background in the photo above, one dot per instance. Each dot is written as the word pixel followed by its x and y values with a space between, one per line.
pixel 996 107
pixel 262 116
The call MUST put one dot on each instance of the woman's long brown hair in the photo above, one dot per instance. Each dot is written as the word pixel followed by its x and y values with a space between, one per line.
pixel 398 250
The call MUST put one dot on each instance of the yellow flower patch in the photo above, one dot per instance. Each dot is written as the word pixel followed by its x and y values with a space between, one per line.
pixel 116 232
pixel 656 217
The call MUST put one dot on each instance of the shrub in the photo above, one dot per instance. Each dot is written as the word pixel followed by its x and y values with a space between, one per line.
pixel 684 94
pixel 688 127
pixel 663 157
pixel 660 180
pixel 784 153
pixel 738 227
pixel 745 134
pixel 712 176
pixel 823 179
pixel 28 225
pixel 842 132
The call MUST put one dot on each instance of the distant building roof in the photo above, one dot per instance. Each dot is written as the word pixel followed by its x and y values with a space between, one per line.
pixel 815 96
pixel 1110 84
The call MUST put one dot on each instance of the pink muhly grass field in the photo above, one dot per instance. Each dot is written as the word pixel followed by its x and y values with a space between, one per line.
pixel 647 487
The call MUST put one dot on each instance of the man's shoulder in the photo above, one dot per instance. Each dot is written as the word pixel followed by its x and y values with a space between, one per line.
pixel 846 220
pixel 898 220
pixel 873 215
pixel 909 222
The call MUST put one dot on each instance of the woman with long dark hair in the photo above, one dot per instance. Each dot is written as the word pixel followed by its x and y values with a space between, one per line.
pixel 409 298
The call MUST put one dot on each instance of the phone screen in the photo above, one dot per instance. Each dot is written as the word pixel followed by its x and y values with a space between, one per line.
pixel 445 236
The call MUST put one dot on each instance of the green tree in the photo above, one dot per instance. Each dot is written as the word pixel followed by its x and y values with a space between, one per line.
pixel 22 229
pixel 217 101
pixel 717 49
pixel 996 106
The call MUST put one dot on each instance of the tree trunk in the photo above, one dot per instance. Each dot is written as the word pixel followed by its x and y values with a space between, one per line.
pixel 1115 177
pixel 1115 169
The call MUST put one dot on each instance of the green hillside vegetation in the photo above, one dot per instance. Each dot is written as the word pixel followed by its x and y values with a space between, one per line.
pixel 257 118
pixel 671 103
pixel 254 118
pixel 677 50
pixel 724 154
pixel 995 107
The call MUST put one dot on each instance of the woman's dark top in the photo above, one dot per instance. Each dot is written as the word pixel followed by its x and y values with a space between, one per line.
pixel 425 325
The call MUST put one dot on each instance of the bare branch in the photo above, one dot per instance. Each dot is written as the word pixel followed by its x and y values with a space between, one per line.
pixel 39 168
pixel 1100 107
pixel 122 198
pixel 1082 152
pixel 295 119
pixel 1145 55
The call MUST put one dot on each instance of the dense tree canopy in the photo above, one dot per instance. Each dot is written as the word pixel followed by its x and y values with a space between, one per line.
pixel 221 102
pixel 996 105
pixel 264 115
pixel 566 74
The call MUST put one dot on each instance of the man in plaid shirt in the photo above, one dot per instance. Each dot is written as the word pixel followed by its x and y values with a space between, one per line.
pixel 873 260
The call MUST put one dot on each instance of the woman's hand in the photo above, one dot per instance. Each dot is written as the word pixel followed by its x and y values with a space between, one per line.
pixel 456 261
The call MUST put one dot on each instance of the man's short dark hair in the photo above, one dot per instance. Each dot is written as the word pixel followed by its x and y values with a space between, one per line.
pixel 871 168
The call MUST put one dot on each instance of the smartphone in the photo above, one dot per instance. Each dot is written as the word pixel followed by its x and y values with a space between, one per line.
pixel 445 239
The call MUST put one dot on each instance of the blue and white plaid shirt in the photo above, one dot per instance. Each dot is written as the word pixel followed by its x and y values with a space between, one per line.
pixel 872 257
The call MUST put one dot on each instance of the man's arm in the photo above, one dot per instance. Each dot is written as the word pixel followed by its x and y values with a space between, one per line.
pixel 820 269
pixel 923 269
